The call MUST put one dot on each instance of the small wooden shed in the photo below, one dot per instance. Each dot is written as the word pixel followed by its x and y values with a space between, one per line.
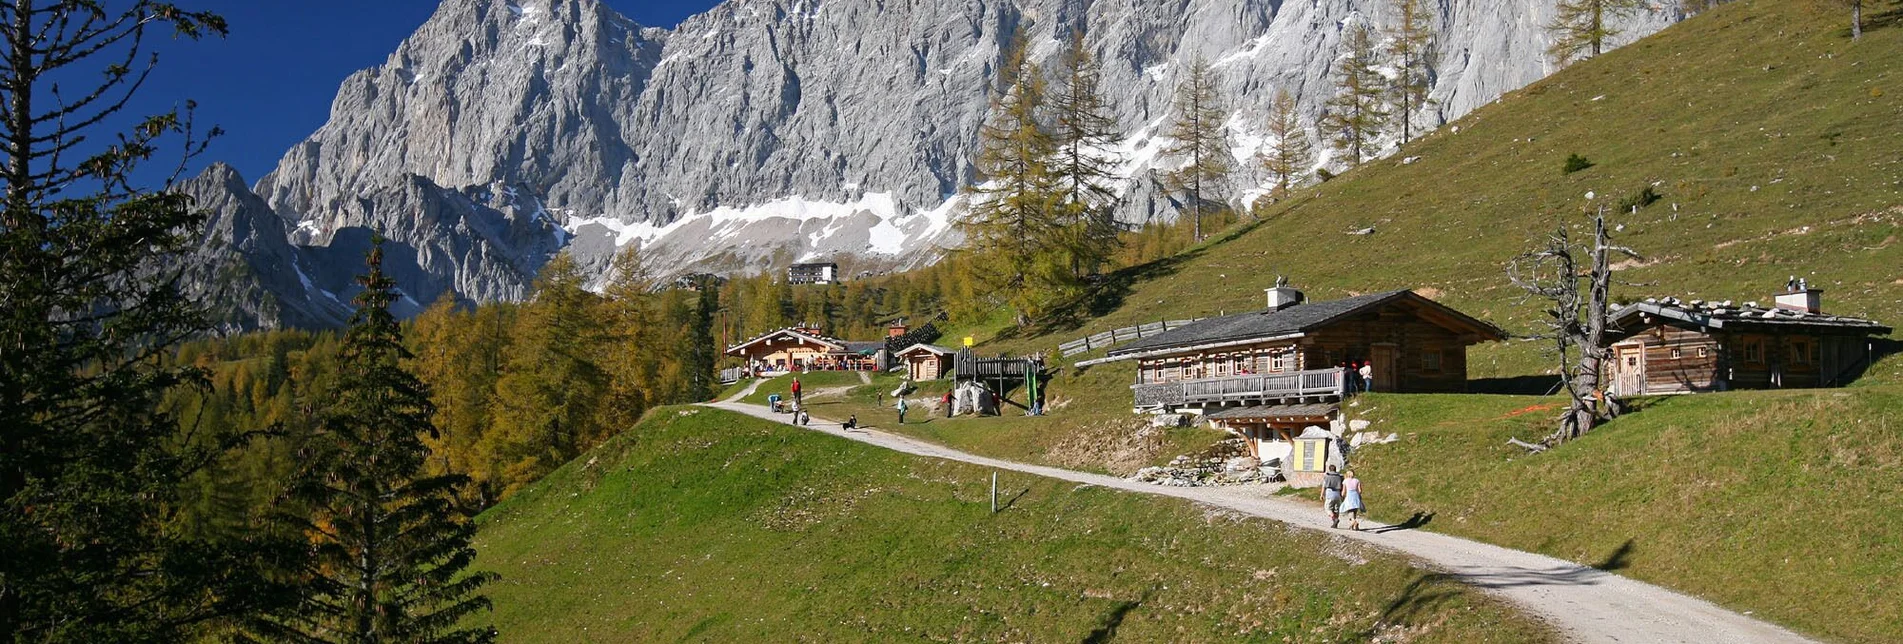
pixel 926 361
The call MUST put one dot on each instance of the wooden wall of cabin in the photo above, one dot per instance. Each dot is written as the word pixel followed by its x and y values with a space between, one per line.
pixel 1220 363
pixel 1429 358
pixel 1773 361
pixel 1680 360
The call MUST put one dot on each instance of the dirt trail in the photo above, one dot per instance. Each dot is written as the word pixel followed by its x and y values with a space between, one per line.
pixel 1586 604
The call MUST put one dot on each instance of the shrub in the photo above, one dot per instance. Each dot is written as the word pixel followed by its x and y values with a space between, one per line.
pixel 1638 200
pixel 1575 163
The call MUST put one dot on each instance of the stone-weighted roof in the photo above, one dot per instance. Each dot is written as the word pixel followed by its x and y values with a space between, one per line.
pixel 1747 316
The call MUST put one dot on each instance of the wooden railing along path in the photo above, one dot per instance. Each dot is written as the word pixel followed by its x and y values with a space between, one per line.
pixel 1119 336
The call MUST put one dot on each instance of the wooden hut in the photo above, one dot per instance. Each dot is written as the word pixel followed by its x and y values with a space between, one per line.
pixel 925 361
pixel 1672 346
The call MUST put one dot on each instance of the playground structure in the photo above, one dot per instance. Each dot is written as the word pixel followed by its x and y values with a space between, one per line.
pixel 999 376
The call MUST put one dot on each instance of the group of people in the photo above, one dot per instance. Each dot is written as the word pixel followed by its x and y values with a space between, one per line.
pixel 1360 375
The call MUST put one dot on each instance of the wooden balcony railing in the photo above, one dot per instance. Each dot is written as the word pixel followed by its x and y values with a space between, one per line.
pixel 1320 383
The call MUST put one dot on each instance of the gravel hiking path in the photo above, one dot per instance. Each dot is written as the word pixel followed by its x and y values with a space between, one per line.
pixel 1585 604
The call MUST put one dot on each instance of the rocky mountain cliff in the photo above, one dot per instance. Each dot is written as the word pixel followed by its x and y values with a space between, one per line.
pixel 761 131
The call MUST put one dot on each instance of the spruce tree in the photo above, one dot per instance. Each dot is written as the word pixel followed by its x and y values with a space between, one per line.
pixel 632 359
pixel 1199 142
pixel 92 469
pixel 1357 115
pixel 1580 28
pixel 1084 169
pixel 1410 49
pixel 1290 153
pixel 1012 225
pixel 389 553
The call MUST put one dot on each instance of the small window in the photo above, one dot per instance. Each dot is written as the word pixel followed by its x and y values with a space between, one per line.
pixel 1279 361
pixel 1800 352
pixel 1632 360
pixel 1675 353
pixel 1430 361
pixel 1754 351
pixel 1704 352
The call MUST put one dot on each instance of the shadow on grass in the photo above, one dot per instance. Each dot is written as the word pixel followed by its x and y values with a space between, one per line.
pixel 1107 628
pixel 1620 558
pixel 1013 500
pixel 1422 596
pixel 1515 386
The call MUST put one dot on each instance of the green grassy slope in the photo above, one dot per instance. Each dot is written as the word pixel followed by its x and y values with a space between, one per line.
pixel 1772 141
pixel 701 525
pixel 1781 503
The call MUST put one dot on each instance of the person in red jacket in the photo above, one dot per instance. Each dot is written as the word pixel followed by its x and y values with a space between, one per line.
pixel 796 391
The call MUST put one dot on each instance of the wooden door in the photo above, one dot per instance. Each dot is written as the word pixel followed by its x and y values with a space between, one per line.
pixel 1630 370
pixel 1383 361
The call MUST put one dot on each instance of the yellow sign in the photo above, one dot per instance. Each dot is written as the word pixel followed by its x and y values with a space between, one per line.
pixel 1310 454
pixel 967 341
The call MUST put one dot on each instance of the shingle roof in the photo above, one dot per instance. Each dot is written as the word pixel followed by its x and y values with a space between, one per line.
pixel 1267 324
pixel 1727 315
pixel 933 348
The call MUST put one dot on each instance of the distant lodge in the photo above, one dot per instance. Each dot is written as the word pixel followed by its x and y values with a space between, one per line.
pixel 926 361
pixel 813 273
pixel 1267 375
pixel 1672 346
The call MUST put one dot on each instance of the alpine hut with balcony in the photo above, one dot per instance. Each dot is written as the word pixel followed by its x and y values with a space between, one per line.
pixel 806 349
pixel 1278 370
pixel 1673 346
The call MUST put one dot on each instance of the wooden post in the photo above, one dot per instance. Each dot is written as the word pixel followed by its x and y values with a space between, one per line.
pixel 994 492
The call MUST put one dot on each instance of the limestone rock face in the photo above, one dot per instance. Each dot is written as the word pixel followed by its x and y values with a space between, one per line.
pixel 766 131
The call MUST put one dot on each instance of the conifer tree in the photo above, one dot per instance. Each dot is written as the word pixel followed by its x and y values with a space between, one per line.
pixel 1290 153
pixel 1199 142
pixel 702 355
pixel 1357 115
pixel 389 553
pixel 1580 28
pixel 551 384
pixel 1083 168
pixel 91 466
pixel 1012 224
pixel 1410 48
pixel 631 361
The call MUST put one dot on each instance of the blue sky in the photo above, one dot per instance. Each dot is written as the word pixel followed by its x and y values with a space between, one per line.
pixel 271 82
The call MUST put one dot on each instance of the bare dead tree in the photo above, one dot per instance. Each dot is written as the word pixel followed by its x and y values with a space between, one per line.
pixel 1576 321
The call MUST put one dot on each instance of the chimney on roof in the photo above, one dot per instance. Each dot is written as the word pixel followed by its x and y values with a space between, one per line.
pixel 1282 296
pixel 896 330
pixel 1799 296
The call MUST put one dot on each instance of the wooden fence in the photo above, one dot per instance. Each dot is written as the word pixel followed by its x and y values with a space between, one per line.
pixel 1119 336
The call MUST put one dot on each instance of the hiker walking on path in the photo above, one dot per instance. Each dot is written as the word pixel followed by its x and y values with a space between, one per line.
pixel 901 410
pixel 1331 496
pixel 796 391
pixel 1351 500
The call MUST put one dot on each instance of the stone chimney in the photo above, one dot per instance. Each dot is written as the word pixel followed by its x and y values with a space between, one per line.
pixel 1799 296
pixel 1282 296
pixel 895 330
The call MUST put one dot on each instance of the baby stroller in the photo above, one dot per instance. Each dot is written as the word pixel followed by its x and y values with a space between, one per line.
pixel 773 401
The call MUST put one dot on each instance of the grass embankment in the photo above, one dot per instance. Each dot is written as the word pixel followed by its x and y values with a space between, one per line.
pixel 1780 503
pixel 708 526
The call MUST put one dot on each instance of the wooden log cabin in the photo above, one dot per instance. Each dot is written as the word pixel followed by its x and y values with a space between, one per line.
pixel 1296 352
pixel 806 349
pixel 1673 346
